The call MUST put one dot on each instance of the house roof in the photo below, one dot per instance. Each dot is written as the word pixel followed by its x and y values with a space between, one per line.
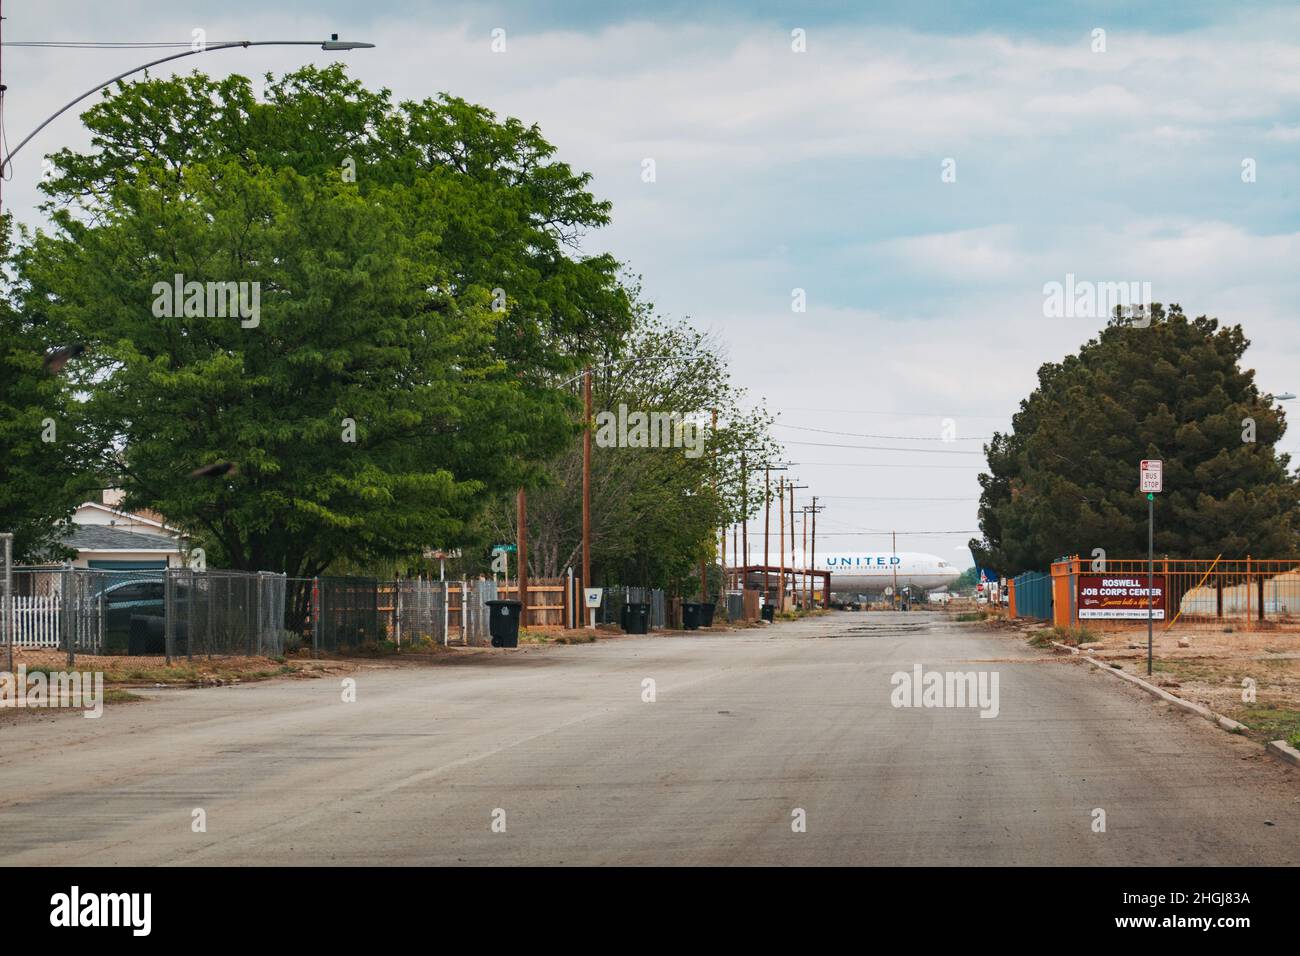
pixel 99 537
pixel 147 517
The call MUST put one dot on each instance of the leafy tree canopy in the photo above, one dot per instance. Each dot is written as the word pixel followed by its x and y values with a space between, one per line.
pixel 44 468
pixel 418 285
pixel 656 511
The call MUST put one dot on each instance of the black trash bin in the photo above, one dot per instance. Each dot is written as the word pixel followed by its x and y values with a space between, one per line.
pixel 636 618
pixel 691 614
pixel 706 615
pixel 503 622
pixel 769 612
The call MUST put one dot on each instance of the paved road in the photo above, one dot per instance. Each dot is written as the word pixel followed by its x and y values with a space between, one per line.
pixel 746 728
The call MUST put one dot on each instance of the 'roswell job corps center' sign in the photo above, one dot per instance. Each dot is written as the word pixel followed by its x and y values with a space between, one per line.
pixel 1115 596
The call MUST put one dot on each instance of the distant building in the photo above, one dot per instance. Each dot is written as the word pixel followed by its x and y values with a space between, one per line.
pixel 116 549
pixel 108 538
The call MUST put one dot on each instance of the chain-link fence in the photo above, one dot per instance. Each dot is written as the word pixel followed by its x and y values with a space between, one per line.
pixel 173 613
pixel 476 611
pixel 349 613
pixel 735 605
pixel 611 606
pixel 61 607
pixel 219 613
pixel 422 612
pixel 6 596
pixel 183 613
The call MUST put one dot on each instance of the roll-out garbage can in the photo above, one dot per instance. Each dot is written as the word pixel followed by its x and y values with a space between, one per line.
pixel 691 614
pixel 769 612
pixel 636 618
pixel 503 622
pixel 706 615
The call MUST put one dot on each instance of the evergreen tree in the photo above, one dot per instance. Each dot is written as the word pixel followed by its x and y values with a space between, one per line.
pixel 1064 480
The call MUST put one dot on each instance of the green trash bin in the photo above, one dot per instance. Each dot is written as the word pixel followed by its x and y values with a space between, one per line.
pixel 503 622
pixel 706 615
pixel 769 612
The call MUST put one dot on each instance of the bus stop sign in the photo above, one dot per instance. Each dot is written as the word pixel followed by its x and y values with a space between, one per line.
pixel 1151 475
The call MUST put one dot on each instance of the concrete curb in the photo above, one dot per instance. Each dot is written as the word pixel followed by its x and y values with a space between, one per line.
pixel 1284 751
pixel 1227 723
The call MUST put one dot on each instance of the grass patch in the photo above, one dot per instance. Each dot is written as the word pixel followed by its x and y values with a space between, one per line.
pixel 584 638
pixel 1041 638
pixel 1272 722
pixel 967 616
pixel 119 695
pixel 1073 636
pixel 190 674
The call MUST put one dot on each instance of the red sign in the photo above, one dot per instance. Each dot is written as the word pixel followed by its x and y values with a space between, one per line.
pixel 1119 597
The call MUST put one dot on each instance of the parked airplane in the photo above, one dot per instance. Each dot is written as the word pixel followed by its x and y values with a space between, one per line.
pixel 870 573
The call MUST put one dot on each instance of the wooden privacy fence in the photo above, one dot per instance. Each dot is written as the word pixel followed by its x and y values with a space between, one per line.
pixel 438 610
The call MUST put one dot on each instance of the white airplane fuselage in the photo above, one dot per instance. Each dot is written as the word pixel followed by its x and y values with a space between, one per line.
pixel 872 572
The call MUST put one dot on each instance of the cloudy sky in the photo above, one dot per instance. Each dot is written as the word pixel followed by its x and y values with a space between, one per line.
pixel 823 170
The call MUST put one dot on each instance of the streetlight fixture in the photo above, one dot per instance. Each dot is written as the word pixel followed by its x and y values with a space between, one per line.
pixel 332 44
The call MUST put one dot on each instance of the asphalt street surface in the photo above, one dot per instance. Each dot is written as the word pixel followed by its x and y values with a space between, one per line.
pixel 772 746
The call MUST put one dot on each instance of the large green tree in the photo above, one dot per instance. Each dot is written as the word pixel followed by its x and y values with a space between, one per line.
pixel 419 285
pixel 1064 480
pixel 656 512
pixel 45 468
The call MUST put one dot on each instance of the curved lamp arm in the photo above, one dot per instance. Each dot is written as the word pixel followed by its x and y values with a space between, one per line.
pixel 334 43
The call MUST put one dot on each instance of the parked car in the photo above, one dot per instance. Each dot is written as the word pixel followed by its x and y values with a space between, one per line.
pixel 135 616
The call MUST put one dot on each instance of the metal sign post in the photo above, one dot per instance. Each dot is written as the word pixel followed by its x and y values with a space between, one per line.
pixel 7 600
pixel 1151 480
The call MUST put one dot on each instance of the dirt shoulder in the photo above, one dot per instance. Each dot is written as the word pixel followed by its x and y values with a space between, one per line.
pixel 1251 676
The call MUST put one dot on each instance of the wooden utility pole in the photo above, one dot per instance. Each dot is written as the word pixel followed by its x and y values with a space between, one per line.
pixel 735 553
pixel 803 527
pixel 792 486
pixel 744 519
pixel 815 509
pixel 586 489
pixel 780 513
pixel 704 578
pixel 767 523
pixel 521 506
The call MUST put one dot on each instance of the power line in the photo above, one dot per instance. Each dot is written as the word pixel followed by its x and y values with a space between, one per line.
pixel 908 451
pixel 828 431
pixel 877 412
pixel 888 498
pixel 838 534
pixel 867 464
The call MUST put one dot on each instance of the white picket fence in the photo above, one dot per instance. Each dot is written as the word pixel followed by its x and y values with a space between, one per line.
pixel 36 623
pixel 36 620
